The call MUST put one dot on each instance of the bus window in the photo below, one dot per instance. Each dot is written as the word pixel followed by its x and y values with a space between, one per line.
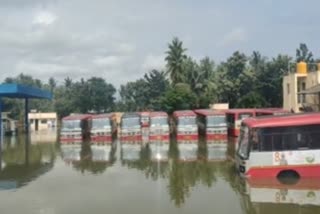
pixel 266 140
pixel 244 115
pixel 254 140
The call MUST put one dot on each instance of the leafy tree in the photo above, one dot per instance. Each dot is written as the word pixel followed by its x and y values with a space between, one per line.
pixel 179 97
pixel 52 83
pixel 303 54
pixel 230 75
pixel 157 86
pixel 175 59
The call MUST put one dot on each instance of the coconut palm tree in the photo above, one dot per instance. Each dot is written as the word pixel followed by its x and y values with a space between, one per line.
pixel 175 59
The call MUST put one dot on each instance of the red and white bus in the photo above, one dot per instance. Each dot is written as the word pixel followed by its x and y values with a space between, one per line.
pixel 212 123
pixel 186 127
pixel 144 118
pixel 130 128
pixel 270 111
pixel 103 129
pixel 159 127
pixel 279 145
pixel 75 128
pixel 234 119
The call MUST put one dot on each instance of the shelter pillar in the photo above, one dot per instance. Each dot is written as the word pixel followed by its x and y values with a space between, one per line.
pixel 26 119
pixel 1 133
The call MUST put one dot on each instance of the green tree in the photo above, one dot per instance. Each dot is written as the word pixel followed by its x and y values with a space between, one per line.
pixel 303 54
pixel 175 59
pixel 230 75
pixel 157 86
pixel 179 97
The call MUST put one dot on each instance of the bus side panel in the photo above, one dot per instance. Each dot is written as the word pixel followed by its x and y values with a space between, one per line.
pixel 262 164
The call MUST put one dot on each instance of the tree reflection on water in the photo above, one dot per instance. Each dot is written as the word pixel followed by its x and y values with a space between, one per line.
pixel 181 171
pixel 23 162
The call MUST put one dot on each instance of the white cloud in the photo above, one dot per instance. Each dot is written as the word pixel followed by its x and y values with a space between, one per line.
pixel 236 35
pixel 153 62
pixel 108 61
pixel 44 18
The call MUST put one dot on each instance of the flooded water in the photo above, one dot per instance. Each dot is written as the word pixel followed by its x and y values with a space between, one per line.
pixel 46 177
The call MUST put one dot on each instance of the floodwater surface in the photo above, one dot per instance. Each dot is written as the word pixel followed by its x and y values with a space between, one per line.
pixel 46 177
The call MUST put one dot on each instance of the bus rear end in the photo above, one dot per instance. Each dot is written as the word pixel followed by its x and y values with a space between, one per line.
pixel 75 128
pixel 131 129
pixel 186 126
pixel 216 127
pixel 103 129
pixel 159 127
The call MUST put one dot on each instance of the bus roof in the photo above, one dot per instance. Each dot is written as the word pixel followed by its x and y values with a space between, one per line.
pixel 98 116
pixel 183 113
pixel 272 110
pixel 158 113
pixel 209 112
pixel 144 113
pixel 283 120
pixel 130 114
pixel 77 117
pixel 240 110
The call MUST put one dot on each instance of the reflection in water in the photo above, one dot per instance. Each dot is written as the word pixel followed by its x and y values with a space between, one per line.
pixel 94 158
pixel 22 162
pixel 130 152
pixel 159 151
pixel 187 151
pixel 273 196
pixel 180 174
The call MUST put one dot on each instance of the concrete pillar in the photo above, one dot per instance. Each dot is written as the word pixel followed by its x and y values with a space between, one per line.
pixel 26 119
pixel 1 133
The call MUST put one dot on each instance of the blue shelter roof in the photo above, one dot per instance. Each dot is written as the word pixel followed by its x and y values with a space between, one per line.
pixel 21 91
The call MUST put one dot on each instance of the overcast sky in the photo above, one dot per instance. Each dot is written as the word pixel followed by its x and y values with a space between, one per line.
pixel 120 40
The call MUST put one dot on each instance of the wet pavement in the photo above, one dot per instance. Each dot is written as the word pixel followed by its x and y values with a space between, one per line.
pixel 45 176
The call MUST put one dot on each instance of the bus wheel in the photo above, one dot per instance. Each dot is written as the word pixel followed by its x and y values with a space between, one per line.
pixel 289 177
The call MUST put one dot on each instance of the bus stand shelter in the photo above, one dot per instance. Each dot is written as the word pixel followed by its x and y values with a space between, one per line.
pixel 21 92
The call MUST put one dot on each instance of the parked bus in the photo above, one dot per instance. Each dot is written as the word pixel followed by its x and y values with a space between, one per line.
pixel 130 128
pixel 270 111
pixel 185 125
pixel 103 129
pixel 212 123
pixel 280 145
pixel 75 128
pixel 234 118
pixel 144 118
pixel 159 127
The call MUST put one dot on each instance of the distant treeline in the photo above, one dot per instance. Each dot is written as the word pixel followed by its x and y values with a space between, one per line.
pixel 241 80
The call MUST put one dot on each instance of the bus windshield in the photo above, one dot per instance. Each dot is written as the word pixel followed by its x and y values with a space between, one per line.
pixel 187 120
pixel 243 149
pixel 289 138
pixel 101 123
pixel 71 124
pixel 129 122
pixel 216 120
pixel 159 121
